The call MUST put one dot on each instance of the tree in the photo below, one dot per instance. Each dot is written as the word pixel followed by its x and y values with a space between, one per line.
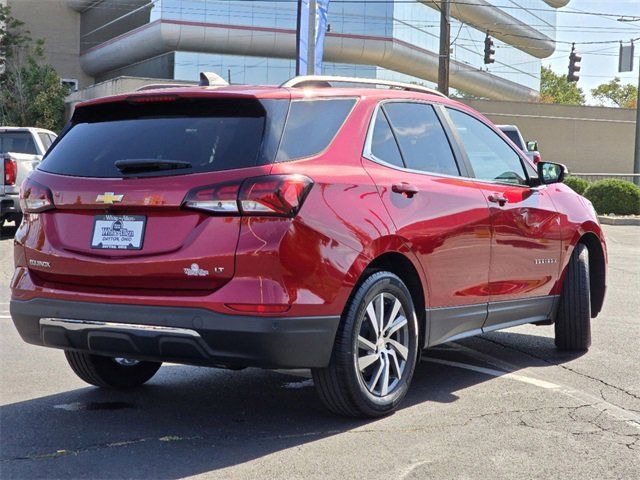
pixel 30 90
pixel 556 88
pixel 617 94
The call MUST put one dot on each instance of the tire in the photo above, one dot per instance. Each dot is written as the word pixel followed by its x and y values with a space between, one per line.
pixel 107 372
pixel 346 389
pixel 573 320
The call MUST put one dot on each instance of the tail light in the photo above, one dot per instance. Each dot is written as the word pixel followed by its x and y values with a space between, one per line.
pixel 220 199
pixel 270 195
pixel 35 197
pixel 10 171
pixel 258 307
pixel 536 159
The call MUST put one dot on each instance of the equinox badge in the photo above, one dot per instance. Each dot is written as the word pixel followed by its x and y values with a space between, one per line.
pixel 109 197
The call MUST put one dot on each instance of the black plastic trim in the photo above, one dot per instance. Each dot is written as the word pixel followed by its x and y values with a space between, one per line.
pixel 222 340
pixel 447 324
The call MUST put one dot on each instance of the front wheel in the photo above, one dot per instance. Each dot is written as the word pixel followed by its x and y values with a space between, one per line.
pixel 110 372
pixel 375 351
pixel 573 321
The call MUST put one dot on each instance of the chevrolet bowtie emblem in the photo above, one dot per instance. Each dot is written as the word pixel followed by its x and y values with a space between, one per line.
pixel 109 197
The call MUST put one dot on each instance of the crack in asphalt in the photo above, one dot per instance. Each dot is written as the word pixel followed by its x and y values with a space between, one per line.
pixel 564 367
pixel 520 413
pixel 99 446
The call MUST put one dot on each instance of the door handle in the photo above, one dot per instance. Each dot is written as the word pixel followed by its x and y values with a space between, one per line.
pixel 405 189
pixel 497 198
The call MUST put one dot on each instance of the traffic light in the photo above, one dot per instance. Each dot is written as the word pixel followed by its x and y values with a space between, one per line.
pixel 574 65
pixel 489 50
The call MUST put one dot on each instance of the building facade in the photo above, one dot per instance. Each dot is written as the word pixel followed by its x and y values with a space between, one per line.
pixel 255 42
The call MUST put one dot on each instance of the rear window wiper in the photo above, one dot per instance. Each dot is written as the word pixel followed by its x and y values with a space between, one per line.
pixel 140 165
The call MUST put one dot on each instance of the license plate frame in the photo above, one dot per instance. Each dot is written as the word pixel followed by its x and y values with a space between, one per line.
pixel 131 227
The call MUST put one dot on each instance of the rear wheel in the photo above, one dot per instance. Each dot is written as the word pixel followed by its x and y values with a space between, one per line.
pixel 573 321
pixel 375 351
pixel 110 372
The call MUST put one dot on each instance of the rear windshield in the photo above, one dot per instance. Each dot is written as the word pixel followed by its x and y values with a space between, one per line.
pixel 17 142
pixel 514 137
pixel 211 136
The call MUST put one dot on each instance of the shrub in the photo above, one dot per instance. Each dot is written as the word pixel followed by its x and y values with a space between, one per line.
pixel 577 184
pixel 614 196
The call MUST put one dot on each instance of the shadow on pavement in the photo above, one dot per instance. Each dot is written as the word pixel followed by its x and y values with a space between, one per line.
pixel 191 420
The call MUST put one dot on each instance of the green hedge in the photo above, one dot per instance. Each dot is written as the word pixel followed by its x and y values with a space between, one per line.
pixel 577 184
pixel 614 196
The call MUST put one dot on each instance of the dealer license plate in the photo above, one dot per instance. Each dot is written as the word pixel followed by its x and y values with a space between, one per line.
pixel 118 232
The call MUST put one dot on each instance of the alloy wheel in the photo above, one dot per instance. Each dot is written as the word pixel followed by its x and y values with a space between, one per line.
pixel 383 344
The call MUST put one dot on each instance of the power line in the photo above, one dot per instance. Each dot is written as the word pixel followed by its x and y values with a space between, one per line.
pixel 569 10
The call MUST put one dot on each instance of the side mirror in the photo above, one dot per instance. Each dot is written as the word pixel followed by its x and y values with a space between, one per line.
pixel 532 146
pixel 551 172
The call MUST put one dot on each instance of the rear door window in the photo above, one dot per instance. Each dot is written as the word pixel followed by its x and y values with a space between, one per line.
pixel 17 142
pixel 422 140
pixel 211 136
pixel 383 144
pixel 312 125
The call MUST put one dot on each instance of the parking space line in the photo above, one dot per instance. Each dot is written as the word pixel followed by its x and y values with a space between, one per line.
pixel 598 403
pixel 495 373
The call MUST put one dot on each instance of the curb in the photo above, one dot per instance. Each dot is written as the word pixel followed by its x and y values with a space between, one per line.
pixel 606 220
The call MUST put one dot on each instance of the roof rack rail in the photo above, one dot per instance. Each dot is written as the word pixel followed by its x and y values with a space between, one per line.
pixel 327 80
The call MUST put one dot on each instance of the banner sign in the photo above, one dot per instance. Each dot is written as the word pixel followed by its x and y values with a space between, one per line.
pixel 305 8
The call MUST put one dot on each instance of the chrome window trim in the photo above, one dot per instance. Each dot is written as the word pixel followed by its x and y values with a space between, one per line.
pixel 368 154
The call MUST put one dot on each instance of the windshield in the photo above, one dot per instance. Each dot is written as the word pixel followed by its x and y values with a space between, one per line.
pixel 17 142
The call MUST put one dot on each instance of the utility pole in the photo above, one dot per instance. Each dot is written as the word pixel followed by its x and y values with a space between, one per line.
pixel 311 39
pixel 636 159
pixel 445 47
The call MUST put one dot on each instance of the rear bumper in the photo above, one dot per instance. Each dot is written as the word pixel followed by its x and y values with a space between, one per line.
pixel 174 334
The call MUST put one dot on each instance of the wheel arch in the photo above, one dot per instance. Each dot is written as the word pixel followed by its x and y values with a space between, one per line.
pixel 400 265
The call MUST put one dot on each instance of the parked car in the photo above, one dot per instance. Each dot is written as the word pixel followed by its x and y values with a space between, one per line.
pixel 530 148
pixel 303 226
pixel 21 149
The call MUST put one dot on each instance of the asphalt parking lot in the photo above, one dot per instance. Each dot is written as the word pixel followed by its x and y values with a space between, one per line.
pixel 503 405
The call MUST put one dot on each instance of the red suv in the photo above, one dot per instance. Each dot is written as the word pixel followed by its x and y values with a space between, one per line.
pixel 302 226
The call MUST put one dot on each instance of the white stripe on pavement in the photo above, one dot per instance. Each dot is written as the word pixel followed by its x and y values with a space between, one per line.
pixel 630 417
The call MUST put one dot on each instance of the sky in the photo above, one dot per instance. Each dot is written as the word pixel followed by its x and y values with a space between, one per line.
pixel 599 62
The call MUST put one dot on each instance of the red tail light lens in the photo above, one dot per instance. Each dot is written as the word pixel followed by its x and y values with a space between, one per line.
pixel 258 307
pixel 10 171
pixel 279 195
pixel 35 197
pixel 536 159
pixel 221 199
pixel 270 195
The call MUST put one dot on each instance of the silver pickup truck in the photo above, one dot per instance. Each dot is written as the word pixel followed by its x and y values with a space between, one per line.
pixel 529 148
pixel 21 150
